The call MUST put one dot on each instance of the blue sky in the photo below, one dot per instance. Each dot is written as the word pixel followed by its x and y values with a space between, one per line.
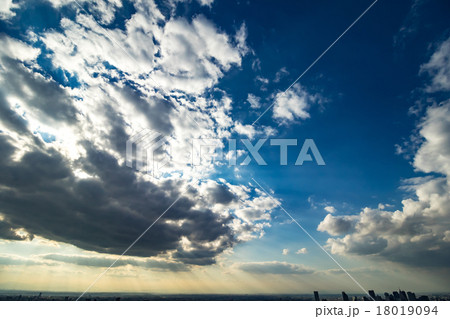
pixel 80 78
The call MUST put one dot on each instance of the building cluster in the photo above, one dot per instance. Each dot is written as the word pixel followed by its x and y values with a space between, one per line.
pixel 399 295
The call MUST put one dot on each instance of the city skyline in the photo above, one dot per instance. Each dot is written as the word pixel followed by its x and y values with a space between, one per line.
pixel 399 295
pixel 333 125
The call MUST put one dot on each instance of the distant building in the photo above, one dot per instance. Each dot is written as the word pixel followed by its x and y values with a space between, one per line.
pixel 344 296
pixel 396 295
pixel 411 296
pixel 403 295
pixel 424 298
pixel 316 296
pixel 399 295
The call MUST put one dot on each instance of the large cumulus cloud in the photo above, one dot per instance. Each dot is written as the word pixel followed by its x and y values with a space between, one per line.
pixel 62 171
pixel 419 233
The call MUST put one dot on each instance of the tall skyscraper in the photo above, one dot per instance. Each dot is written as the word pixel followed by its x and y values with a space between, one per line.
pixel 403 295
pixel 316 296
pixel 396 295
pixel 372 294
pixel 344 296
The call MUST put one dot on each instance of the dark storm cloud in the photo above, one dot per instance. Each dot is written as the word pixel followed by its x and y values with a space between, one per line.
pixel 421 255
pixel 430 252
pixel 7 232
pixel 201 257
pixel 108 212
pixel 103 261
pixel 201 252
pixel 35 171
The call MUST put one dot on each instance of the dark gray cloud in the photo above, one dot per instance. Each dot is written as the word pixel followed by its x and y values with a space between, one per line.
pixel 337 225
pixel 369 245
pixel 108 212
pixel 8 232
pixel 275 268
pixel 45 96
pixel 11 119
pixel 432 253
pixel 11 260
pixel 103 261
pixel 6 149
pixel 156 110
pixel 40 188
pixel 116 135
pixel 221 194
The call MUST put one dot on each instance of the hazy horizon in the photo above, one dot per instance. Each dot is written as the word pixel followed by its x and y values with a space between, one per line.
pixel 225 147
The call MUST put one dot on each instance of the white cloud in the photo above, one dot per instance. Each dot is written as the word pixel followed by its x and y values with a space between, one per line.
pixel 255 101
pixel 250 214
pixel 6 7
pixel 256 65
pixel 247 130
pixel 115 99
pixel 337 225
pixel 285 252
pixel 17 49
pixel 194 55
pixel 262 79
pixel 207 3
pixel 302 251
pixel 84 47
pixel 416 234
pixel 330 209
pixel 102 10
pixel 293 105
pixel 439 68
pixel 175 55
pixel 241 38
pixel 434 153
pixel 250 131
pixel 280 74
pixel 185 58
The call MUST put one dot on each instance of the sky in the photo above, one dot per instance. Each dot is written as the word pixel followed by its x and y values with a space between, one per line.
pixel 79 79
